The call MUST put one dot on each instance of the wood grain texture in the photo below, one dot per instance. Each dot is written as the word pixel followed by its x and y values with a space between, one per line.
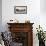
pixel 23 27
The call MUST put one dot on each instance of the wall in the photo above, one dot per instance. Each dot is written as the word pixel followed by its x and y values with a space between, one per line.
pixel 34 14
pixel 0 15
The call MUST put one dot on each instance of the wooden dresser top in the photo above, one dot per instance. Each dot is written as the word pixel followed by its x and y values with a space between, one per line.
pixel 19 23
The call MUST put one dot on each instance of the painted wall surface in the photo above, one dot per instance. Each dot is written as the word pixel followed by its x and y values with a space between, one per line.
pixel 34 14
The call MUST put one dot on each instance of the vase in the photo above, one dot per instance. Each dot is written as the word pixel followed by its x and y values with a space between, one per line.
pixel 41 43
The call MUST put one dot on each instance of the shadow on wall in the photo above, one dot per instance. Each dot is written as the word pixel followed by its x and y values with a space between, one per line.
pixel 0 15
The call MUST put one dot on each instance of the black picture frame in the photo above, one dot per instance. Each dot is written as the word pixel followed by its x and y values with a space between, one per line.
pixel 20 9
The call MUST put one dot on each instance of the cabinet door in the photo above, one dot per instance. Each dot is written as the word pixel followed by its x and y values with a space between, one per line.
pixel 20 37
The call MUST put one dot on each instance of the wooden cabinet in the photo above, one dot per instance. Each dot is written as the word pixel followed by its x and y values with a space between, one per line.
pixel 22 33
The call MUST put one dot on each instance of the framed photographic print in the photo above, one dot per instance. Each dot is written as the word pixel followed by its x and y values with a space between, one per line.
pixel 20 9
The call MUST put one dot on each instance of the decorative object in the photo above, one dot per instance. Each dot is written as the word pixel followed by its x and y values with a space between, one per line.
pixel 41 36
pixel 7 38
pixel 27 21
pixel 20 9
pixel 45 35
pixel 1 40
pixel 13 21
